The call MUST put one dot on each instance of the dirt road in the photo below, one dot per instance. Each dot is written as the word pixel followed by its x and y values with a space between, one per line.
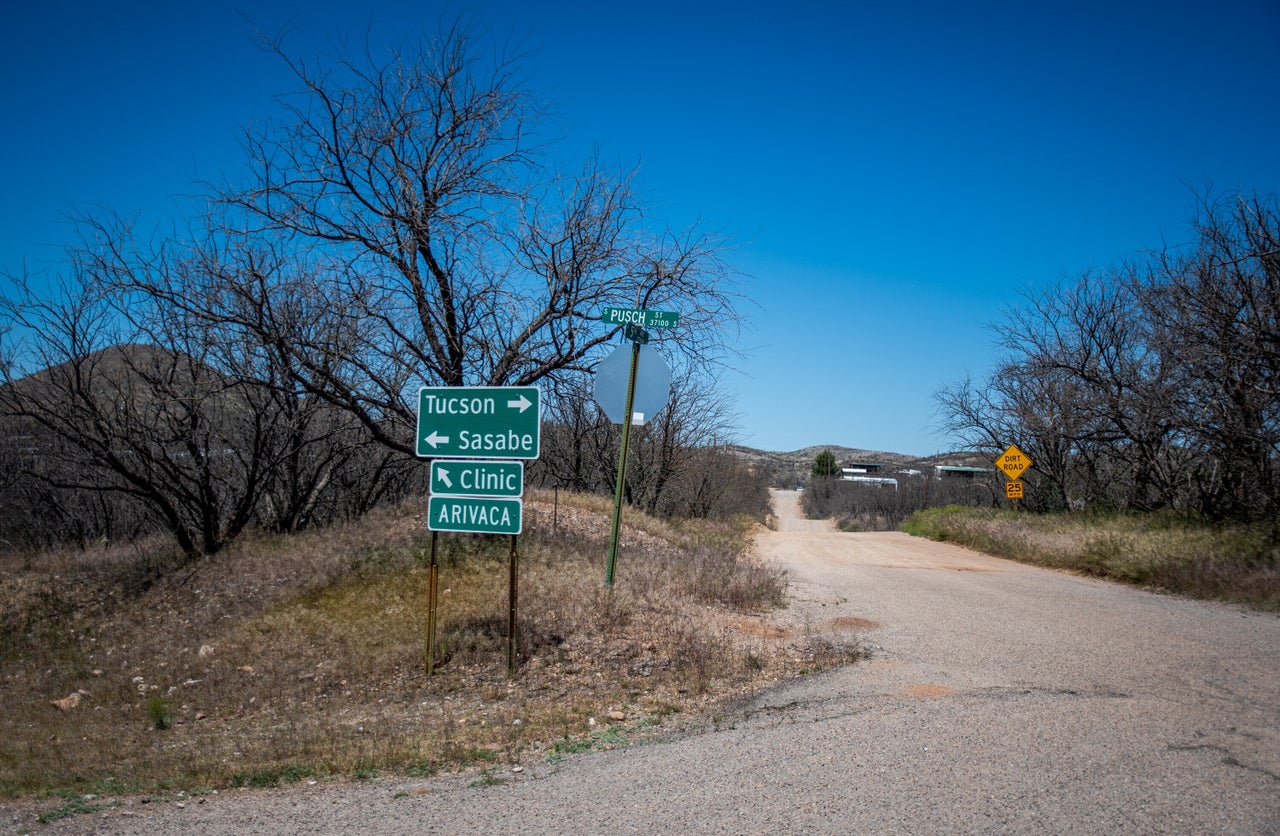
pixel 999 698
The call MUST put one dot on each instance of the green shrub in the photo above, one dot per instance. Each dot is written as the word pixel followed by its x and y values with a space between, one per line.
pixel 158 711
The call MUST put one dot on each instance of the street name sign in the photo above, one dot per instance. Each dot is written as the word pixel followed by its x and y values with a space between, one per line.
pixel 1013 462
pixel 474 515
pixel 460 477
pixel 468 422
pixel 635 333
pixel 640 318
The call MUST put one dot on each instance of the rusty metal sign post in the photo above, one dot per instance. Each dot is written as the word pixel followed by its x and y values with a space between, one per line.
pixel 513 593
pixel 433 579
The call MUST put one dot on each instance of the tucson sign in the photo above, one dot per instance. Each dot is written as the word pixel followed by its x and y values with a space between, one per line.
pixel 491 422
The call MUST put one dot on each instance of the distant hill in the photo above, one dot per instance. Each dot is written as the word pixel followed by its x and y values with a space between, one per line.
pixel 795 466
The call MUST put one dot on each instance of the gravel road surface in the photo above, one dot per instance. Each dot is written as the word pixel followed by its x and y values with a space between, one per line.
pixel 999 698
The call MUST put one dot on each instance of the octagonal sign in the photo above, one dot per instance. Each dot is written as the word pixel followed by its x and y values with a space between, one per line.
pixel 653 384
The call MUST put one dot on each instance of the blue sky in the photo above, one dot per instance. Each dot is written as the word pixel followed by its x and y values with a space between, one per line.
pixel 892 173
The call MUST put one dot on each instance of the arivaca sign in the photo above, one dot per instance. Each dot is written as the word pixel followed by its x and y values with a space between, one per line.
pixel 475 514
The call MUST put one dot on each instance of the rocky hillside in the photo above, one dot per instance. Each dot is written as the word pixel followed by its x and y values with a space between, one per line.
pixel 793 468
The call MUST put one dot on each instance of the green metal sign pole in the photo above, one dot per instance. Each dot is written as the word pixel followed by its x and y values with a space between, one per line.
pixel 622 467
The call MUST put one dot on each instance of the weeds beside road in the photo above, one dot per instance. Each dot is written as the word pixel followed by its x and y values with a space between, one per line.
pixel 1236 563
pixel 291 658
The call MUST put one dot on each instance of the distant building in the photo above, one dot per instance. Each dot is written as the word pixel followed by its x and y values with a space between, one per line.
pixel 949 471
pixel 849 475
pixel 863 467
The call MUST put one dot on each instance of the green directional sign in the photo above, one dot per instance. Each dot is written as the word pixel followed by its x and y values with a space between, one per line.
pixel 479 422
pixel 457 477
pixel 640 318
pixel 474 515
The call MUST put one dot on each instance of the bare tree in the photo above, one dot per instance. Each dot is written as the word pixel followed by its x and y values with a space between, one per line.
pixel 399 227
pixel 252 309
pixel 579 445
pixel 454 248
pixel 1152 385
pixel 115 413
pixel 142 397
pixel 1092 339
pixel 668 452
pixel 678 464
pixel 1218 307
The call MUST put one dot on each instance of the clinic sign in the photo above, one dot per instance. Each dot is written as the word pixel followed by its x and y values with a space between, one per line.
pixel 456 477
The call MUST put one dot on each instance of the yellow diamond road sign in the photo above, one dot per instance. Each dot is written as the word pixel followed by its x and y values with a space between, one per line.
pixel 1013 462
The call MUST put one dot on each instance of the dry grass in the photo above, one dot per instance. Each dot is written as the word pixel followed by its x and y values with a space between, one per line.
pixel 291 657
pixel 1173 553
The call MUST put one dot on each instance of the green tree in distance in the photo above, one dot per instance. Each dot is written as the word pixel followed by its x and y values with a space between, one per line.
pixel 825 465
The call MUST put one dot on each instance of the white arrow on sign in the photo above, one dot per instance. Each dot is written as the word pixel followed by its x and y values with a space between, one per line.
pixel 522 404
pixel 444 477
pixel 436 439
